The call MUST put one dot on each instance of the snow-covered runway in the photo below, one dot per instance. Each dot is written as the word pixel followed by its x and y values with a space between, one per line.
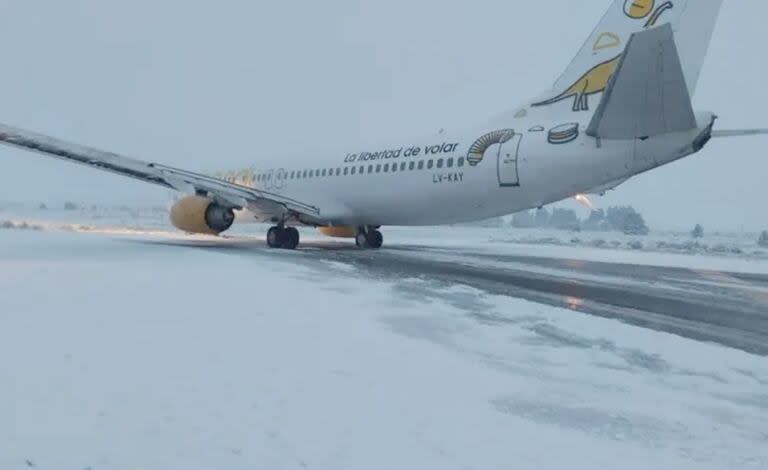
pixel 729 308
pixel 125 353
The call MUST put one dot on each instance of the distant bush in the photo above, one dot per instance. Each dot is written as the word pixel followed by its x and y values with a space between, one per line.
pixel 763 240
pixel 595 221
pixel 8 225
pixel 525 219
pixel 698 231
pixel 564 219
pixel 635 245
pixel 70 206
pixel 626 220
pixel 43 207
pixel 542 217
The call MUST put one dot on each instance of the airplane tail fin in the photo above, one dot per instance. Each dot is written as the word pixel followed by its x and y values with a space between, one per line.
pixel 693 22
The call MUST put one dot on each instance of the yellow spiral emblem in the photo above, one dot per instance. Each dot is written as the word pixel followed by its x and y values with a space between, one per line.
pixel 478 149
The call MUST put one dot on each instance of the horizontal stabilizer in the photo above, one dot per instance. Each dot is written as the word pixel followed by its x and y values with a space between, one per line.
pixel 739 132
pixel 647 95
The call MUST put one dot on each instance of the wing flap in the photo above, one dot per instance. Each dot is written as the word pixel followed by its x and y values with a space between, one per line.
pixel 647 95
pixel 236 194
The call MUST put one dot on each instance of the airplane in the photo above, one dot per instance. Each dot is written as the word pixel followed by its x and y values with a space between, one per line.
pixel 622 107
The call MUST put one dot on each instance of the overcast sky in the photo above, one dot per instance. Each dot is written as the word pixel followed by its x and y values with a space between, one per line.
pixel 212 85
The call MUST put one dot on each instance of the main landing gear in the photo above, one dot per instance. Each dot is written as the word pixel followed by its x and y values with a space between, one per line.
pixel 283 237
pixel 369 237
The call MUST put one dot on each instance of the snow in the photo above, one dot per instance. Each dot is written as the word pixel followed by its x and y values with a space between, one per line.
pixel 120 353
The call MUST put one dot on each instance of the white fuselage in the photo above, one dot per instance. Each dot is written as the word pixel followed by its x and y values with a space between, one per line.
pixel 445 179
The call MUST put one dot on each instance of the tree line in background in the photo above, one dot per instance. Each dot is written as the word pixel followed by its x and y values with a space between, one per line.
pixel 624 219
pixel 618 219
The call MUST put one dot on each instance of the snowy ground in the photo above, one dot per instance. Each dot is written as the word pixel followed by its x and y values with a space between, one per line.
pixel 116 353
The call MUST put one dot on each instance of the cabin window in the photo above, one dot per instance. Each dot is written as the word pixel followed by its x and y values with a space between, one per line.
pixel 449 163
pixel 354 170
pixel 370 168
pixel 346 170
pixel 439 162
pixel 421 164
pixel 430 163
pixel 305 174
pixel 394 167
pixel 386 168
pixel 402 166
pixel 362 170
pixel 325 172
pixel 460 163
pixel 411 166
pixel 378 168
pixel 338 171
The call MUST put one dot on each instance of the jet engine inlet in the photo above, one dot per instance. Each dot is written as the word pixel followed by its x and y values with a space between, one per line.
pixel 197 214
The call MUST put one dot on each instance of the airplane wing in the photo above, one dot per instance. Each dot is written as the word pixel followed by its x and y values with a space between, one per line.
pixel 226 193
pixel 647 95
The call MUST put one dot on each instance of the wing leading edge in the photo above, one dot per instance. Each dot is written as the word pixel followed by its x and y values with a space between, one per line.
pixel 234 195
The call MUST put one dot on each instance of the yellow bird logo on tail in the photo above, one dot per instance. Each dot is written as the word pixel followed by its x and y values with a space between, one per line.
pixel 596 79
pixel 593 82
pixel 638 9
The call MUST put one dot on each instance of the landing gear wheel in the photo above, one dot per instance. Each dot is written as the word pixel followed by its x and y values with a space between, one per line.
pixel 369 239
pixel 290 238
pixel 276 237
pixel 375 239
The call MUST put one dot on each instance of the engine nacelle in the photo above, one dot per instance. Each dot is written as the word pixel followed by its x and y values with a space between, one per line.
pixel 197 214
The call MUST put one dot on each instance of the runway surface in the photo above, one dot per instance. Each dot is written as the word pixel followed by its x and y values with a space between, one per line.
pixel 721 307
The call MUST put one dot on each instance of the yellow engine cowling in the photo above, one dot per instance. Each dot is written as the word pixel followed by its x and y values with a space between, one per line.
pixel 338 232
pixel 197 214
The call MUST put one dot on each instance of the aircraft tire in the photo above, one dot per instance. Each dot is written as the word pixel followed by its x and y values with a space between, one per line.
pixel 276 237
pixel 290 238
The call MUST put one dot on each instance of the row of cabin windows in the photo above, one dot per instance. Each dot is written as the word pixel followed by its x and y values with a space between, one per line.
pixel 372 168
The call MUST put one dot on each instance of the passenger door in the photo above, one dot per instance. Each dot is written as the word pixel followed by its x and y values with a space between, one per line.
pixel 507 157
